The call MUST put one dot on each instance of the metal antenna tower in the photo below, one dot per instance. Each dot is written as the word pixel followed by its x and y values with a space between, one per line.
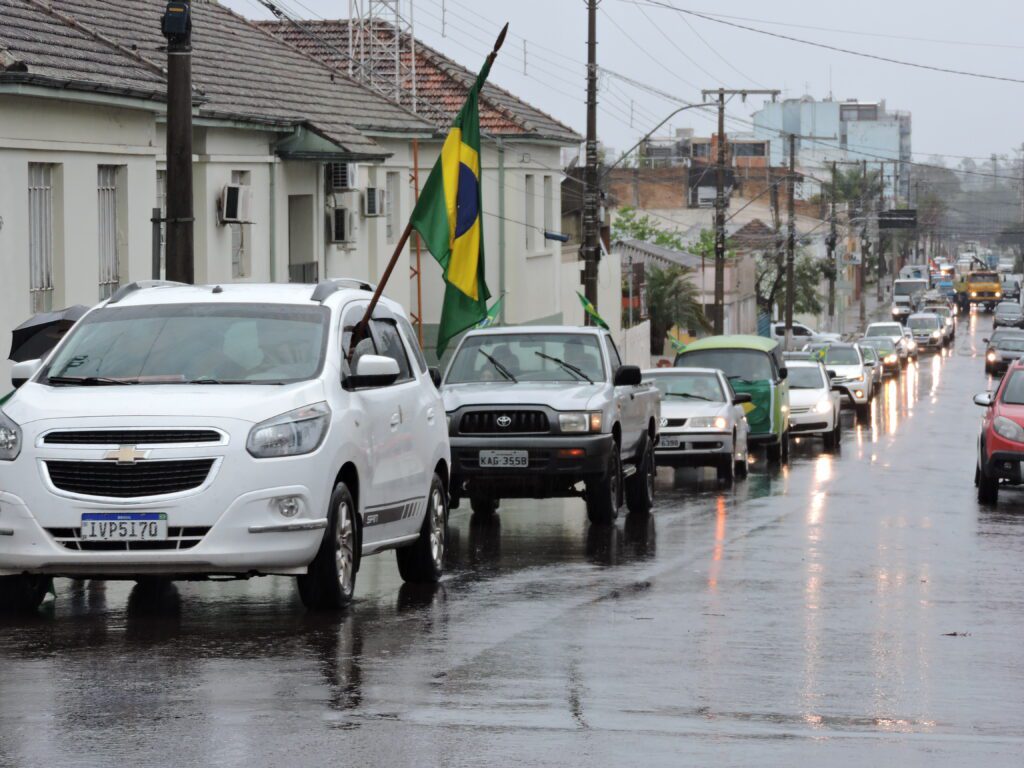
pixel 382 48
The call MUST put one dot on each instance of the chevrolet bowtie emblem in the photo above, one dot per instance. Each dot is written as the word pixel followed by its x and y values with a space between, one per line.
pixel 126 454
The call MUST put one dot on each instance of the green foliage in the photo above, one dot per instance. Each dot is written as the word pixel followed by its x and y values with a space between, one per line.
pixel 628 225
pixel 771 283
pixel 673 300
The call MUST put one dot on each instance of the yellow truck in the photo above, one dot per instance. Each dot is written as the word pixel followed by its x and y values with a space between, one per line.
pixel 981 286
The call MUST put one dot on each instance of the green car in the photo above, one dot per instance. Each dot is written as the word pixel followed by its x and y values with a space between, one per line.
pixel 753 364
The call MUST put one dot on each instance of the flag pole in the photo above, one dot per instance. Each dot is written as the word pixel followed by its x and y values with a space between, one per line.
pixel 359 332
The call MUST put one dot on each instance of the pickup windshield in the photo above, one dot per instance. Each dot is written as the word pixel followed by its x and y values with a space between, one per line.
pixel 923 323
pixel 528 357
pixel 193 344
pixel 689 386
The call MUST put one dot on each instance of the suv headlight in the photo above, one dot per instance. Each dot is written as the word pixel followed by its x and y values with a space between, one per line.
pixel 824 405
pixel 1009 429
pixel 708 422
pixel 291 434
pixel 579 422
pixel 936 334
pixel 10 438
pixel 890 359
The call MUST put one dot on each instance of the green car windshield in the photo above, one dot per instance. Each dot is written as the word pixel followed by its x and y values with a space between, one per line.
pixel 736 364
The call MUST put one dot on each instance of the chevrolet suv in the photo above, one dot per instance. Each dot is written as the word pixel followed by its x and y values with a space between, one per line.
pixel 183 432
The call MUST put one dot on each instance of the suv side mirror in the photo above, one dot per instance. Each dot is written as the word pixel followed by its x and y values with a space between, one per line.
pixel 783 374
pixel 831 374
pixel 985 399
pixel 374 371
pixel 742 397
pixel 627 376
pixel 435 375
pixel 23 371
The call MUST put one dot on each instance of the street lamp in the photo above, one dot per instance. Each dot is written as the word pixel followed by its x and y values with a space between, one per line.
pixel 648 135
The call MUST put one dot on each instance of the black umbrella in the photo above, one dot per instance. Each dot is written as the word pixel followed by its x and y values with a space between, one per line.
pixel 34 338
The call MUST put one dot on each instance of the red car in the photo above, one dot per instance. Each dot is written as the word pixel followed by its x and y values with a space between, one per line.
pixel 1001 443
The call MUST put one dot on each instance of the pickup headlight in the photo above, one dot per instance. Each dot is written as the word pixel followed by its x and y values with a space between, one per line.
pixel 580 422
pixel 708 422
pixel 294 433
pixel 824 405
pixel 10 438
pixel 1009 429
pixel 936 334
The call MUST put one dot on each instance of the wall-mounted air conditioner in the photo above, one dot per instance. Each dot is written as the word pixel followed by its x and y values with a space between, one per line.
pixel 340 227
pixel 341 177
pixel 374 202
pixel 235 204
pixel 348 199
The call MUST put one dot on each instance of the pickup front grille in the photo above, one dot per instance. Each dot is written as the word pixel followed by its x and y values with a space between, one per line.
pixel 504 423
pixel 131 436
pixel 177 538
pixel 126 481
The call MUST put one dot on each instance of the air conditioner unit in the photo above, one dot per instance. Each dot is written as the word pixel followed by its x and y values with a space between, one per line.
pixel 339 226
pixel 341 176
pixel 348 199
pixel 374 202
pixel 236 204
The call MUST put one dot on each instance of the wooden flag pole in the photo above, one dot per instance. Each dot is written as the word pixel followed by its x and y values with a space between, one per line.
pixel 360 331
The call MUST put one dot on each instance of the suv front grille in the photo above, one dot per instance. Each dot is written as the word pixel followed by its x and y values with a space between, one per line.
pixel 131 437
pixel 493 422
pixel 177 538
pixel 125 481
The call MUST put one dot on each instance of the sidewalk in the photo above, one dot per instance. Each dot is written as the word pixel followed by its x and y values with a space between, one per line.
pixel 849 324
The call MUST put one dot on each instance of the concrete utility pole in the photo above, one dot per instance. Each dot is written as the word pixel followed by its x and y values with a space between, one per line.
pixel 865 245
pixel 721 93
pixel 176 26
pixel 881 241
pixel 591 193
pixel 791 242
pixel 831 242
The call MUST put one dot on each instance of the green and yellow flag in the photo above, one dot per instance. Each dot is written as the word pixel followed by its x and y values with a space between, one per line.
pixel 448 217
pixel 492 314
pixel 591 311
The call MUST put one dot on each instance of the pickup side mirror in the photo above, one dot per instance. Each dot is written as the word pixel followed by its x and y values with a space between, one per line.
pixel 985 399
pixel 435 375
pixel 627 376
pixel 374 371
pixel 742 397
pixel 23 371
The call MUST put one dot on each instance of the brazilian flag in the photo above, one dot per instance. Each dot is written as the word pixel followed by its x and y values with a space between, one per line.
pixel 591 311
pixel 492 314
pixel 448 217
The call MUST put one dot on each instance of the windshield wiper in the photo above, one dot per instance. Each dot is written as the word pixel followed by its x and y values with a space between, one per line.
pixel 688 396
pixel 499 367
pixel 88 381
pixel 212 380
pixel 567 366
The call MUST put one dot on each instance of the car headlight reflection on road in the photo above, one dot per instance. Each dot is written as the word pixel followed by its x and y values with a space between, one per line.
pixel 294 433
pixel 708 422
pixel 1009 429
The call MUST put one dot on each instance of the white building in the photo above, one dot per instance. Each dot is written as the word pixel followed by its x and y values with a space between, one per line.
pixel 328 166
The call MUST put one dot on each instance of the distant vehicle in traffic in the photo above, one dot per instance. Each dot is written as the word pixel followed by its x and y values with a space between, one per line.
pixel 906 296
pixel 885 348
pixel 802 334
pixel 873 364
pixel 1004 348
pixel 893 332
pixel 982 286
pixel 703 421
pixel 754 365
pixel 928 330
pixel 1001 440
pixel 850 378
pixel 1011 287
pixel 1008 314
pixel 814 403
pixel 948 323
pixel 912 346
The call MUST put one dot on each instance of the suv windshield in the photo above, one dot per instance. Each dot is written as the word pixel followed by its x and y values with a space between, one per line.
pixel 689 386
pixel 739 364
pixel 801 377
pixel 882 346
pixel 886 329
pixel 194 344
pixel 528 357
pixel 841 356
pixel 923 323
pixel 1011 344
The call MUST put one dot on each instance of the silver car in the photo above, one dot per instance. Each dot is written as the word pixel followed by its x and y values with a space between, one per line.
pixel 813 403
pixel 703 421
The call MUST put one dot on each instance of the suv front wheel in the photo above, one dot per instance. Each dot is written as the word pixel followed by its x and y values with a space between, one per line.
pixel 423 561
pixel 330 580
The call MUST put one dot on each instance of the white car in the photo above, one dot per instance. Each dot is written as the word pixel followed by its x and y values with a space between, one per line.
pixel 703 421
pixel 802 334
pixel 845 366
pixel 894 332
pixel 194 431
pixel 813 404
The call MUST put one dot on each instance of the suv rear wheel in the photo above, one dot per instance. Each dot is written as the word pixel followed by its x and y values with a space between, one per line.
pixel 423 562
pixel 330 580
pixel 603 493
pixel 23 593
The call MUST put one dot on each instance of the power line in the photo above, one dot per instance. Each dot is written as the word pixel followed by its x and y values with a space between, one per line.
pixel 836 48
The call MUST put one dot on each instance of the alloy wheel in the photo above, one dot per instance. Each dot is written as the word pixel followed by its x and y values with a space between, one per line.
pixel 344 549
pixel 437 526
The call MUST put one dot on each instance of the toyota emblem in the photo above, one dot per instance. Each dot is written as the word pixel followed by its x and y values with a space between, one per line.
pixel 504 421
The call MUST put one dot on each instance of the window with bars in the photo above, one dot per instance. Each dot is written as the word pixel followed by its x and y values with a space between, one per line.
pixel 391 203
pixel 109 256
pixel 40 239
pixel 240 234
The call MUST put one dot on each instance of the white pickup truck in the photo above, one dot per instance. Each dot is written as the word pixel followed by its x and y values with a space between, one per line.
pixel 537 412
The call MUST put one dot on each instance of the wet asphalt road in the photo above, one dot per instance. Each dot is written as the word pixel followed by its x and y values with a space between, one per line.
pixel 798 619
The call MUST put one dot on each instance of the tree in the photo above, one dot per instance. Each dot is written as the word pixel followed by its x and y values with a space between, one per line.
pixel 673 300
pixel 628 225
pixel 770 283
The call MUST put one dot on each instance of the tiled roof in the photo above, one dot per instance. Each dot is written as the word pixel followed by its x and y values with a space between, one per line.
pixel 238 69
pixel 441 84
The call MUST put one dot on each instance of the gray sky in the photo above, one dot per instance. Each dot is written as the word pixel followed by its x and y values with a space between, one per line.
pixel 952 114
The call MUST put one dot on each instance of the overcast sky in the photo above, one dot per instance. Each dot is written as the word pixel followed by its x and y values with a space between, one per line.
pixel 679 54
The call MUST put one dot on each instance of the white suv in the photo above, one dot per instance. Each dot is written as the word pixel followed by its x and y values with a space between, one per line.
pixel 189 431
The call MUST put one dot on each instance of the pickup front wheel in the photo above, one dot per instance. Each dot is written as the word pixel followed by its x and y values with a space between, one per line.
pixel 603 494
pixel 640 487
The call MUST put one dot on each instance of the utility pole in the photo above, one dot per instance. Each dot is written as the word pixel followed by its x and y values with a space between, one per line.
pixel 791 241
pixel 865 245
pixel 831 243
pixel 720 203
pixel 176 26
pixel 881 241
pixel 591 193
